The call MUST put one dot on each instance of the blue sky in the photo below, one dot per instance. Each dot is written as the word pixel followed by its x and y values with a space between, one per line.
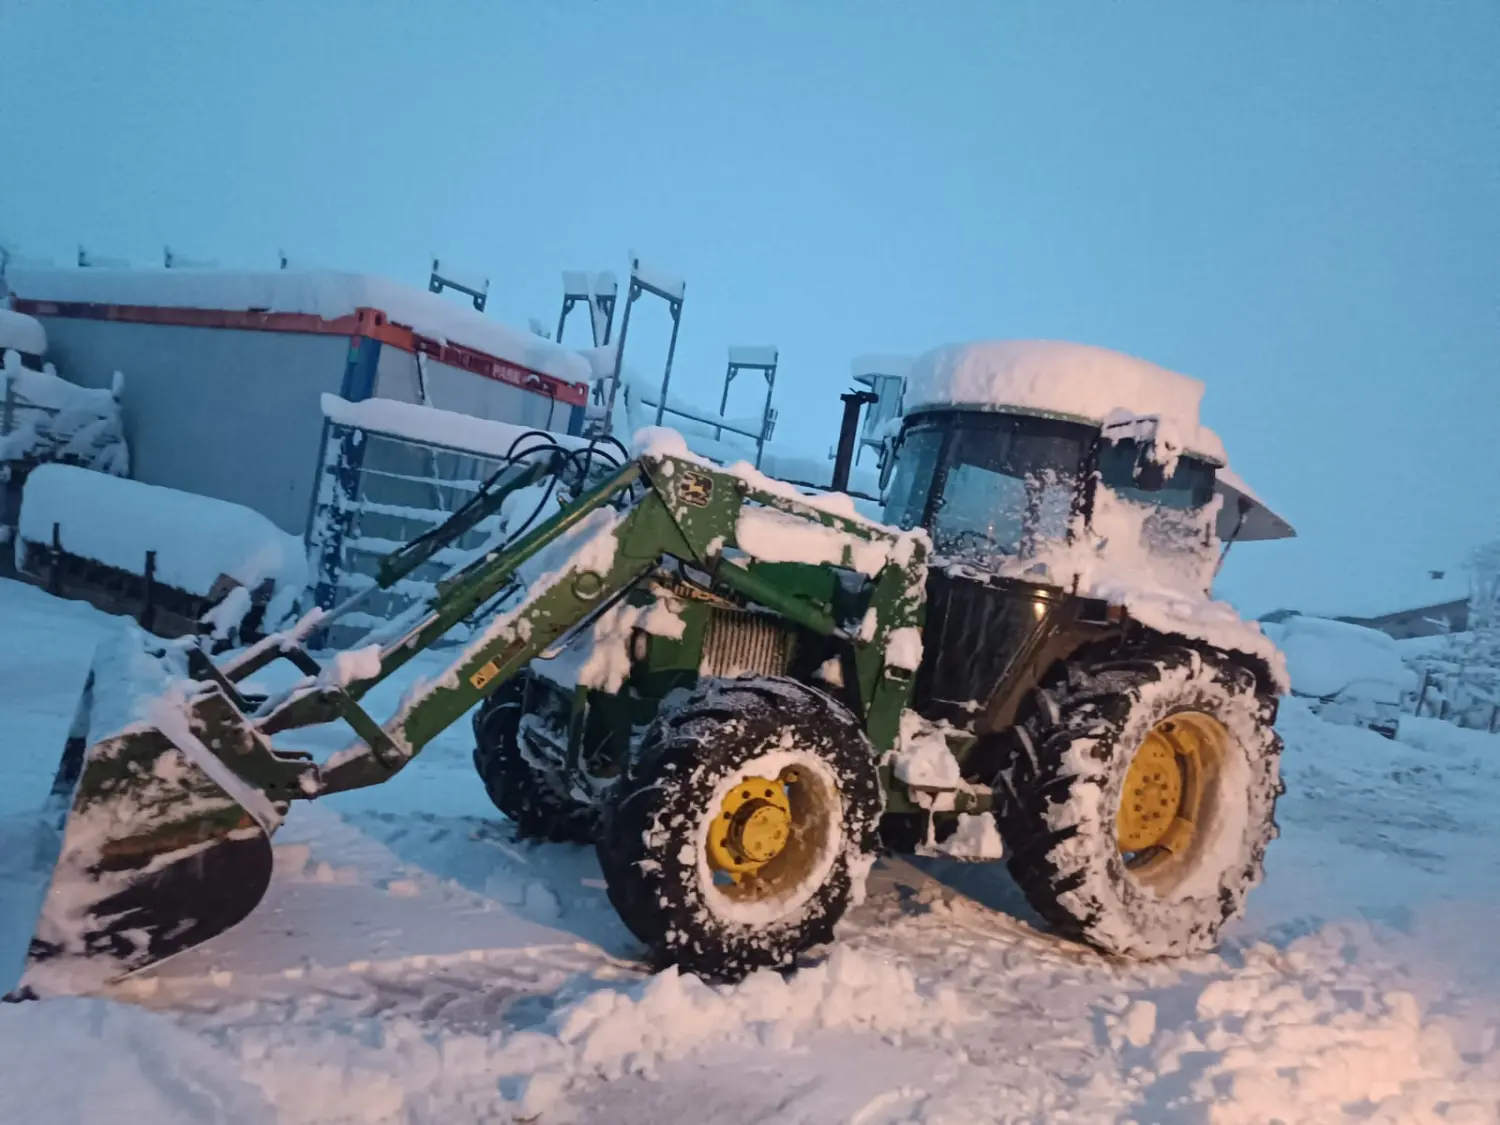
pixel 1294 201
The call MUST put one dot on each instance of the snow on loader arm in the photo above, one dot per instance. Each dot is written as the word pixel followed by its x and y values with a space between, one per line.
pixel 171 785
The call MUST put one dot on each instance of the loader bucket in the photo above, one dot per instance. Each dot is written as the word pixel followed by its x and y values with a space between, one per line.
pixel 158 845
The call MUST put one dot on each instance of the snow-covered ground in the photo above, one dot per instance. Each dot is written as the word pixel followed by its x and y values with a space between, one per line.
pixel 415 963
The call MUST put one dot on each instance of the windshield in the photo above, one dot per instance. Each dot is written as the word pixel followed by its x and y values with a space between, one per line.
pixel 988 487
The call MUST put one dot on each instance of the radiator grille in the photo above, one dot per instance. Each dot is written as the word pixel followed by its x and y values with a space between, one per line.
pixel 738 642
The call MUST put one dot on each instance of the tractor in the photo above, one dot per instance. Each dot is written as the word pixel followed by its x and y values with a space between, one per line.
pixel 740 694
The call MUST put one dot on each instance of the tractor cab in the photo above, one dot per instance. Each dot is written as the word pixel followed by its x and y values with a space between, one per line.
pixel 999 490
pixel 1047 474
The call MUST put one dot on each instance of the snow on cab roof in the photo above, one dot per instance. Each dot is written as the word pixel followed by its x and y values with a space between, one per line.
pixel 22 333
pixel 328 294
pixel 1053 377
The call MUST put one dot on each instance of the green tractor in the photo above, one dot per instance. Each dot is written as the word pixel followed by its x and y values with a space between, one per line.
pixel 741 694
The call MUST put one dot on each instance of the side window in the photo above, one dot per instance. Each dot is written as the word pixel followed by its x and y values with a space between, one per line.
pixel 916 465
pixel 1191 484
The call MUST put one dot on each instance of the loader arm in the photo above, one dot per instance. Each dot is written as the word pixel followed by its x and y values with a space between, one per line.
pixel 574 565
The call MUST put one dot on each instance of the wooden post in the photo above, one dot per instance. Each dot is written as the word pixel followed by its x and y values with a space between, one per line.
pixel 54 569
pixel 148 593
pixel 1422 696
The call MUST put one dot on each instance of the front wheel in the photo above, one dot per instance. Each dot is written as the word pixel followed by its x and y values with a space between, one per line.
pixel 745 828
pixel 1138 797
pixel 524 776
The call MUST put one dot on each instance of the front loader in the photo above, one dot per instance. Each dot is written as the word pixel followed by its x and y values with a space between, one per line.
pixel 173 789
pixel 739 694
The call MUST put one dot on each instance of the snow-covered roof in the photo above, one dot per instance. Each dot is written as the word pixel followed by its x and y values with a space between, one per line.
pixel 329 294
pixel 22 333
pixel 1052 377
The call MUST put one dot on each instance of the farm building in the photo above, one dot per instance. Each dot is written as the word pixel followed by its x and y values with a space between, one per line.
pixel 224 371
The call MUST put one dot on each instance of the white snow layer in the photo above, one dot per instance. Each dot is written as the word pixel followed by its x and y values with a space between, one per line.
pixel 662 280
pixel 23 333
pixel 431 426
pixel 1326 658
pixel 922 757
pixel 328 294
pixel 977 838
pixel 776 536
pixel 197 539
pixel 54 420
pixel 760 355
pixel 1061 378
pixel 414 965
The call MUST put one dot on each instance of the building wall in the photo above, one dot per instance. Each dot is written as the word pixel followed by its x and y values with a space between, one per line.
pixel 452 388
pixel 228 413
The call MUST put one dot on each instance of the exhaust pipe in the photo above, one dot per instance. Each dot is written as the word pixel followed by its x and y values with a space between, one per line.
pixel 843 462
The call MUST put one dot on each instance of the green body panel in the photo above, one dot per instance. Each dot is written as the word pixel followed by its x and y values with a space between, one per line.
pixel 592 553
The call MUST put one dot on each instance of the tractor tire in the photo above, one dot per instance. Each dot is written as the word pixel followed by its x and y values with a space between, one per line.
pixel 532 793
pixel 744 828
pixel 1100 777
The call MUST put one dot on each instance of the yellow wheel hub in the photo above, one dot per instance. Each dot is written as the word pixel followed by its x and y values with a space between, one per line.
pixel 1167 788
pixel 1152 796
pixel 751 827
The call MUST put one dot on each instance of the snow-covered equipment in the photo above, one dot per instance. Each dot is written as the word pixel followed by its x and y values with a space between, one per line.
pixel 240 359
pixel 1349 674
pixel 736 691
pixel 178 562
pixel 44 419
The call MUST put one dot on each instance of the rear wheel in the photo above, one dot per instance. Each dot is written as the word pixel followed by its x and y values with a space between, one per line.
pixel 745 828
pixel 524 775
pixel 1136 799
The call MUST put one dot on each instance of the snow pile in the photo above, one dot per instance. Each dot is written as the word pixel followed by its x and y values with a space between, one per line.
pixel 198 540
pixel 1329 658
pixel 922 757
pixel 328 294
pixel 396 1069
pixel 54 420
pixel 610 1034
pixel 977 838
pixel 74 1060
pixel 23 333
pixel 1052 377
pixel 1281 1047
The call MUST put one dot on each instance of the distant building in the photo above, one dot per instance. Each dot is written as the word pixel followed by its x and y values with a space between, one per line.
pixel 1422 621
pixel 1437 603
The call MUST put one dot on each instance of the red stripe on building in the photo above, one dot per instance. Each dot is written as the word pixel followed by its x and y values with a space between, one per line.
pixel 369 323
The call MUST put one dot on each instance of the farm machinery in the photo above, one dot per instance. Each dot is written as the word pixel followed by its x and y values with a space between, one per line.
pixel 735 692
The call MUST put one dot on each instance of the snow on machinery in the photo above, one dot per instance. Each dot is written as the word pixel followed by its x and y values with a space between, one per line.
pixel 737 692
